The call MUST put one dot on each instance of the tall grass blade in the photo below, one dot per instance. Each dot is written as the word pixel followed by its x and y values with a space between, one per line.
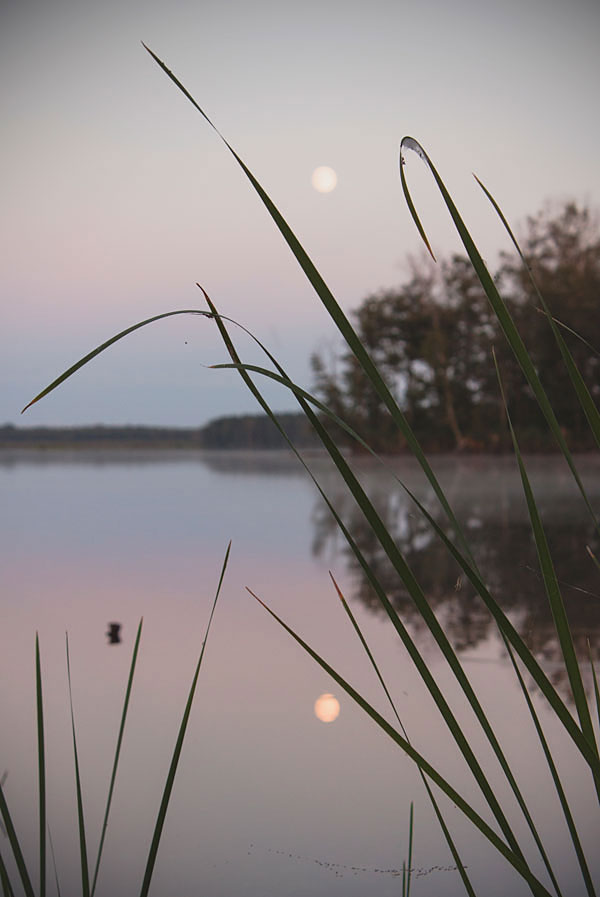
pixel 410 848
pixel 501 311
pixel 514 857
pixel 449 840
pixel 41 766
pixel 555 598
pixel 178 746
pixel 53 855
pixel 117 753
pixel 583 394
pixel 585 872
pixel 595 680
pixel 15 846
pixel 85 880
pixel 6 885
pixel 335 312
pixel 552 587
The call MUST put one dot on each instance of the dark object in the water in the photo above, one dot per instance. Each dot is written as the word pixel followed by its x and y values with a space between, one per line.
pixel 114 634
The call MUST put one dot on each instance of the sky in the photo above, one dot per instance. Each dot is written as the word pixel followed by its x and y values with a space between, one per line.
pixel 117 197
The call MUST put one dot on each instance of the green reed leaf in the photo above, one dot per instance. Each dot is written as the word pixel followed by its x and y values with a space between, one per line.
pixel 15 846
pixel 160 821
pixel 553 592
pixel 5 880
pixel 585 872
pixel 41 766
pixel 85 879
pixel 583 394
pixel 101 348
pixel 334 310
pixel 117 753
pixel 449 840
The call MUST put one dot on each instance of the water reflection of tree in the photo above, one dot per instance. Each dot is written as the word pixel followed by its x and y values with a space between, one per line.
pixel 501 541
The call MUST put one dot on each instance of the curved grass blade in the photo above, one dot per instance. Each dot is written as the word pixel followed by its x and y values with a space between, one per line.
pixel 85 879
pixel 513 857
pixel 117 753
pixel 41 766
pixel 335 312
pixel 90 355
pixel 449 840
pixel 15 846
pixel 505 320
pixel 178 746
pixel 583 394
pixel 552 587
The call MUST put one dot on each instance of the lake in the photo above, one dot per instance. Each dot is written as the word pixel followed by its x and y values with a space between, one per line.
pixel 269 800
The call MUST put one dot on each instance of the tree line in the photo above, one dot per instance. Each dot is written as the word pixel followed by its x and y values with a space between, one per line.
pixel 245 431
pixel 432 339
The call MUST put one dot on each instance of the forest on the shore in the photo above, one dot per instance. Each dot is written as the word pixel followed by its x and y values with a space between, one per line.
pixel 432 338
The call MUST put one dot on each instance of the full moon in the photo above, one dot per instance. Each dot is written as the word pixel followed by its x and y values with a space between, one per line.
pixel 324 179
pixel 327 708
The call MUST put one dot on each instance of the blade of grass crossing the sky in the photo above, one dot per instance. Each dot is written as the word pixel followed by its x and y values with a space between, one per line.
pixel 501 311
pixel 514 858
pixel 105 345
pixel 41 766
pixel 335 312
pixel 160 821
pixel 117 752
pixel 557 607
pixel 85 879
pixel 583 394
pixel 434 803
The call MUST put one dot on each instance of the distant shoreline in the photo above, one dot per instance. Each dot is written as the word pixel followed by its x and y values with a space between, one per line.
pixel 242 432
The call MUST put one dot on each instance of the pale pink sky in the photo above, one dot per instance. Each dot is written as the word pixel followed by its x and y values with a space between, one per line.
pixel 117 196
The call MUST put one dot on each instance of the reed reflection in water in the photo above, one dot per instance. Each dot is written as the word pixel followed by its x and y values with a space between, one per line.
pixel 486 495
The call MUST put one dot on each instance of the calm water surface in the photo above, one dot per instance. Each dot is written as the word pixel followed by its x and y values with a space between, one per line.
pixel 268 799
